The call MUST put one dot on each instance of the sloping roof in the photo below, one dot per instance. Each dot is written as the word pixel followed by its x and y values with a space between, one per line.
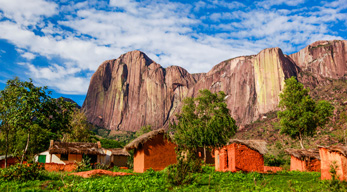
pixel 258 145
pixel 303 153
pixel 138 142
pixel 2 157
pixel 119 152
pixel 342 149
pixel 75 148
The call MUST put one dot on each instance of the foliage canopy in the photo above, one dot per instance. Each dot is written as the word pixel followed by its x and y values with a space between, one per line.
pixel 301 115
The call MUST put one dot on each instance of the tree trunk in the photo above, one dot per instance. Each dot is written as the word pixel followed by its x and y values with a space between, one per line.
pixel 7 130
pixel 301 141
pixel 204 153
pixel 26 148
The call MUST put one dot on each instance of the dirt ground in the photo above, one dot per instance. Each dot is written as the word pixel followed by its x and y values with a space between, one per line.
pixel 87 174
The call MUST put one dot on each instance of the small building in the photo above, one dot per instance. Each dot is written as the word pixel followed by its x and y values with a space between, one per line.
pixel 304 160
pixel 333 156
pixel 119 157
pixel 241 155
pixel 11 160
pixel 71 152
pixel 209 155
pixel 152 150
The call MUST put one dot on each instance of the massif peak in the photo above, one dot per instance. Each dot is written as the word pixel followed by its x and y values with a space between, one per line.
pixel 133 91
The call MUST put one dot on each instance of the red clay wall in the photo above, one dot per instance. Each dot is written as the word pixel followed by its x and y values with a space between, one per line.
pixel 297 164
pixel 301 165
pixel 272 169
pixel 159 153
pixel 60 167
pixel 236 157
pixel 327 159
pixel 10 161
pixel 139 161
pixel 246 159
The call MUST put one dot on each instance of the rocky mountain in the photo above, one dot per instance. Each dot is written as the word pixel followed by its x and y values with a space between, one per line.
pixel 133 90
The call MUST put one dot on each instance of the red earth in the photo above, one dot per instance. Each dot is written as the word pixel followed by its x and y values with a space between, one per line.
pixel 87 174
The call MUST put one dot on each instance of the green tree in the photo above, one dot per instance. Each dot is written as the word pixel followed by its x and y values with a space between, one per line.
pixel 301 115
pixel 32 113
pixel 205 121
pixel 80 129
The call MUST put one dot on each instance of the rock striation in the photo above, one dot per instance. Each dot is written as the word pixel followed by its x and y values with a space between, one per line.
pixel 133 91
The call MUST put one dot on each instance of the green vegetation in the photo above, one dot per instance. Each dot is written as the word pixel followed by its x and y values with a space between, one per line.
pixel 301 115
pixel 29 117
pixel 205 121
pixel 208 180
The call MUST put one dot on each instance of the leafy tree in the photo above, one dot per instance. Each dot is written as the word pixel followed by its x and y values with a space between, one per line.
pixel 80 129
pixel 205 121
pixel 301 115
pixel 32 113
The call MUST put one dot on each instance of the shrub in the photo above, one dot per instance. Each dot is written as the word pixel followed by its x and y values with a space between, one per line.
pixel 84 165
pixel 181 173
pixel 22 172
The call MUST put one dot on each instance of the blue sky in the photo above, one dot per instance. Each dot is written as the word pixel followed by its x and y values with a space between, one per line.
pixel 60 44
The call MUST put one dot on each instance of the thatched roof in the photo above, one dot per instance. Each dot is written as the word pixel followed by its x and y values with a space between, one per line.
pixel 119 152
pixel 303 153
pixel 342 149
pixel 138 142
pixel 58 147
pixel 258 145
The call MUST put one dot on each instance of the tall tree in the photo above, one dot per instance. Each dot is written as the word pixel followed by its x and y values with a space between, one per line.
pixel 205 121
pixel 301 115
pixel 29 108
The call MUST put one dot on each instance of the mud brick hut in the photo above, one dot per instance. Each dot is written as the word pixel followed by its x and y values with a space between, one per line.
pixel 304 160
pixel 241 155
pixel 119 157
pixel 152 150
pixel 70 152
pixel 11 160
pixel 333 156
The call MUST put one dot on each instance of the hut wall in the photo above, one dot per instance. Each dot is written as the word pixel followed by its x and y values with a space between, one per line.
pixel 236 157
pixel 297 164
pixel 327 159
pixel 217 161
pixel 120 160
pixel 159 153
pixel 245 159
pixel 314 165
pixel 60 167
pixel 10 161
pixel 74 157
pixel 139 160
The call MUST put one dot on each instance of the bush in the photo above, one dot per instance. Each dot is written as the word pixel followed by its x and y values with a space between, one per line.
pixel 271 160
pixel 22 172
pixel 181 173
pixel 84 165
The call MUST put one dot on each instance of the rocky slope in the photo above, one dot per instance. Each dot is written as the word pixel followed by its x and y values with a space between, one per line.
pixel 133 90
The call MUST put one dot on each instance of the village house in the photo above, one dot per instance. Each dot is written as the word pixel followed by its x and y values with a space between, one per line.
pixel 241 155
pixel 304 160
pixel 11 160
pixel 119 157
pixel 152 150
pixel 71 152
pixel 333 156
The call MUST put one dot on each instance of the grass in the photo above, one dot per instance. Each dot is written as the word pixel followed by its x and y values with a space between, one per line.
pixel 209 180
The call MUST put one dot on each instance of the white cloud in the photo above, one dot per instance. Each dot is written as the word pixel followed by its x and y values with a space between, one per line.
pixel 27 12
pixel 164 30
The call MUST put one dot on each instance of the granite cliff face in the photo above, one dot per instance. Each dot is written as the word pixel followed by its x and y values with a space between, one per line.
pixel 323 58
pixel 133 90
pixel 252 83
